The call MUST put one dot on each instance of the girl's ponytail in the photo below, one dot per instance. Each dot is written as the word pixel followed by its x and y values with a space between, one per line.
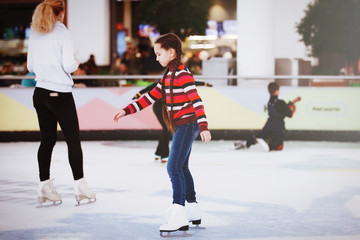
pixel 177 64
pixel 165 113
pixel 168 41
pixel 46 14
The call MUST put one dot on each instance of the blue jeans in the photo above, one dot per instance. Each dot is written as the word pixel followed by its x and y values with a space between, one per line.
pixel 178 163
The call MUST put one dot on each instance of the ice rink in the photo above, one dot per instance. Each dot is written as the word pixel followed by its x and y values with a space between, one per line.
pixel 308 191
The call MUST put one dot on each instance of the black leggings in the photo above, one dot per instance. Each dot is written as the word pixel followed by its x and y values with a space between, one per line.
pixel 52 108
pixel 162 149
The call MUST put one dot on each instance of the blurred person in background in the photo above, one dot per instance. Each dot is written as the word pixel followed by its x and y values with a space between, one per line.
pixel 82 71
pixel 91 67
pixel 28 82
pixel 7 69
pixel 271 137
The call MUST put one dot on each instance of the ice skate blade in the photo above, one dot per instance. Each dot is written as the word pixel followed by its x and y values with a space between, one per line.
pixel 79 203
pixel 196 228
pixel 183 228
pixel 175 234
pixel 43 199
pixel 53 204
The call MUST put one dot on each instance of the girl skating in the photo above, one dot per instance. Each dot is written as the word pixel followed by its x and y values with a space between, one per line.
pixel 186 118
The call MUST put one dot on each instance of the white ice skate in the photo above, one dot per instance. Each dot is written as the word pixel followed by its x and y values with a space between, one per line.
pixel 47 191
pixel 82 191
pixel 263 144
pixel 193 213
pixel 240 145
pixel 176 220
pixel 164 159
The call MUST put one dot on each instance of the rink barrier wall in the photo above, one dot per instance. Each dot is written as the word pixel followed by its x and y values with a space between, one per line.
pixel 132 135
pixel 324 113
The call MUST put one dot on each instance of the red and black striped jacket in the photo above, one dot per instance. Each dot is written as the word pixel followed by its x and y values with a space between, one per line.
pixel 187 104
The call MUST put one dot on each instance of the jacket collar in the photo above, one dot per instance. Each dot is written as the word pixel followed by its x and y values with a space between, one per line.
pixel 171 65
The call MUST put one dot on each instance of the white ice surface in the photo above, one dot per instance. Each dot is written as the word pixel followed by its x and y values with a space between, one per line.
pixel 308 191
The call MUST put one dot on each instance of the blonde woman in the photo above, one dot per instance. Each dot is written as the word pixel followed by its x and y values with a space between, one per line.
pixel 51 58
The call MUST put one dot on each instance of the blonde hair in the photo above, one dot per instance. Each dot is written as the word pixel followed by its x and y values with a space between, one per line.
pixel 46 14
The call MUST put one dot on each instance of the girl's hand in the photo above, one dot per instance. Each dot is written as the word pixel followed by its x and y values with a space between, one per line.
pixel 205 136
pixel 119 115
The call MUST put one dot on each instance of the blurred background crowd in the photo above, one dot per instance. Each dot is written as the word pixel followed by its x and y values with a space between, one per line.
pixel 210 32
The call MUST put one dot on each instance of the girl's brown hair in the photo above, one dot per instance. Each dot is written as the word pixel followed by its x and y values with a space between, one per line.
pixel 168 41
pixel 46 14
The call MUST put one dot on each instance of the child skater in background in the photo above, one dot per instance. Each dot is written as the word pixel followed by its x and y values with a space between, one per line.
pixel 271 136
pixel 185 116
pixel 51 58
pixel 162 149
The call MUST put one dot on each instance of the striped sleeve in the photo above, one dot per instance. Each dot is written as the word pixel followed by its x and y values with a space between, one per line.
pixel 146 100
pixel 189 87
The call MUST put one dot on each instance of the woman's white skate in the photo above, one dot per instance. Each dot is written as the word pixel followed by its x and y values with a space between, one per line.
pixel 82 192
pixel 47 192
